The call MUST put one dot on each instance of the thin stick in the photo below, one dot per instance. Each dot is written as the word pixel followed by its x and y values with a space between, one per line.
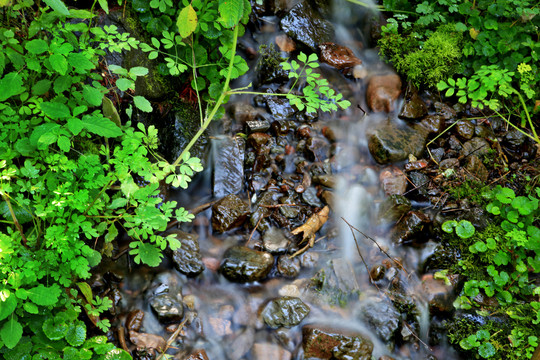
pixel 416 336
pixel 254 229
pixel 172 339
pixel 277 205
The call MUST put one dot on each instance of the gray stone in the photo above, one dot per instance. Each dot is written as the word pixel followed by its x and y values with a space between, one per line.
pixel 228 213
pixel 286 311
pixel 167 307
pixel 274 240
pixel 187 259
pixel 383 318
pixel 228 165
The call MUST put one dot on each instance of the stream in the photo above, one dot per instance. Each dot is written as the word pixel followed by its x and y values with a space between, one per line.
pixel 243 286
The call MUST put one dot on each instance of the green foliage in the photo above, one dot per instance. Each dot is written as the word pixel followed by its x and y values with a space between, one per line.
pixel 498 263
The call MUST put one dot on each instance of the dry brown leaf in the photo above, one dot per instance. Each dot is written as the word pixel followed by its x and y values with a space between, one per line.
pixel 147 341
pixel 310 228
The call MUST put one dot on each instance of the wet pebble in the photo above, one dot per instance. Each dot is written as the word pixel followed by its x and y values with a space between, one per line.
pixel 451 163
pixel 440 296
pixel 187 259
pixel 476 170
pixel 167 307
pixel 281 109
pixel 323 342
pixel 476 146
pixel 383 91
pixel 433 123
pixel 413 106
pixel 284 312
pixel 228 213
pixel 411 227
pixel 241 264
pixel 310 197
pixel 382 316
pixel 465 129
pixel 338 56
pixel 394 207
pixel 287 267
pixel 134 320
pixel 445 111
pixel 197 354
pixel 275 241
pixel 393 181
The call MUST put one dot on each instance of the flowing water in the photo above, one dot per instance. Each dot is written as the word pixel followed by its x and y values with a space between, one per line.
pixel 225 316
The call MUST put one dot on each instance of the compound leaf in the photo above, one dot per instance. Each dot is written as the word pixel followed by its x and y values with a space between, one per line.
pixel 231 12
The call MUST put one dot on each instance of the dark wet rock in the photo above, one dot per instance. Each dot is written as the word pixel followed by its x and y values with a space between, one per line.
pixel 514 138
pixel 326 343
pixel 476 170
pixel 228 165
pixel 310 197
pixel 391 142
pixel 269 70
pixel 228 213
pixel 420 181
pixel 393 181
pixel 306 25
pixel 394 207
pixel 334 284
pixel 478 217
pixel 291 211
pixel 382 92
pixel 338 56
pixel 286 311
pixel 148 342
pixel 445 111
pixel 433 123
pixel 197 354
pixel 243 112
pixel 454 143
pixel 437 256
pixel 317 149
pixel 437 154
pixel 241 264
pixel 451 163
pixel 266 351
pixel 382 317
pixel 287 267
pixel 440 296
pixel 261 212
pixel 413 106
pixel 167 307
pixel 281 127
pixel 275 241
pixel 476 146
pixel 411 227
pixel 187 259
pixel 304 132
pixel 377 272
pixel 134 320
pixel 253 126
pixel 326 180
pixel 465 129
pixel 260 142
pixel 280 108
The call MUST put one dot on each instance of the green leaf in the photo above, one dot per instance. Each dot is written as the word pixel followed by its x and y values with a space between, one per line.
pixel 80 63
pixel 139 71
pixel 100 125
pixel 149 254
pixel 8 306
pixel 53 330
pixel 86 290
pixel 111 234
pixel 55 110
pixel 486 350
pixel 41 87
pixel 231 12
pixel 117 354
pixel 44 296
pixel 105 6
pixel 125 84
pixel 10 85
pixel 30 308
pixel 109 110
pixel 448 226
pixel 58 5
pixel 11 333
pixel 142 104
pixel 36 46
pixel 59 63
pixel 464 229
pixel 64 143
pixel 76 334
pixel 92 95
pixel 75 125
pixel 187 21
pixel 43 132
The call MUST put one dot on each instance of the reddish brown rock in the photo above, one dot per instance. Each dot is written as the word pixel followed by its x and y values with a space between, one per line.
pixel 327 343
pixel 263 351
pixel 338 56
pixel 382 91
pixel 393 181
pixel 198 354
pixel 285 43
pixel 440 296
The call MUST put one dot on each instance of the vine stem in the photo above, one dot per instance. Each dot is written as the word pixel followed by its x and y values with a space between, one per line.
pixel 6 199
pixel 219 101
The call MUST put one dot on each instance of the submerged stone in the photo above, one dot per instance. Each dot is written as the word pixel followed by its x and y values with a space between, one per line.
pixel 241 264
pixel 394 207
pixel 167 307
pixel 411 227
pixel 413 106
pixel 228 165
pixel 383 91
pixel 228 213
pixel 326 343
pixel 382 316
pixel 338 56
pixel 286 311
pixel 187 259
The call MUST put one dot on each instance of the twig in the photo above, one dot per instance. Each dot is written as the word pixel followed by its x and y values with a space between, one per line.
pixel 361 256
pixel 194 211
pixel 277 205
pixel 254 229
pixel 416 336
pixel 15 221
pixel 172 339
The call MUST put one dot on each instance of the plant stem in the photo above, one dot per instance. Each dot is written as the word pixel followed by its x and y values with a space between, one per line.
pixel 528 116
pixel 218 103
pixel 6 199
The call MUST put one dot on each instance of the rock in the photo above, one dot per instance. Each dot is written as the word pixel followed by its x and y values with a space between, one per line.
pixel 253 126
pixel 393 181
pixel 310 197
pixel 376 273
pixel 306 25
pixel 476 170
pixel 167 307
pixel 411 227
pixel 187 259
pixel 420 181
pixel 285 43
pixel 284 312
pixel 268 69
pixel 383 318
pixel 433 123
pixel 291 211
pixel 338 56
pixel 382 91
pixel 134 320
pixel 241 345
pixel 390 142
pixel 437 256
pixel 148 341
pixel 280 108
pixel 287 267
pixel 326 180
pixel 322 342
pixel 476 146
pixel 268 351
pixel 440 296
pixel 334 284
pixel 242 112
pixel 394 207
pixel 197 354
pixel 451 163
pixel 275 241
pixel 413 106
pixel 437 154
pixel 260 142
pixel 241 264
pixel 317 149
pixel 445 111
pixel 228 213
pixel 228 165
pixel 465 129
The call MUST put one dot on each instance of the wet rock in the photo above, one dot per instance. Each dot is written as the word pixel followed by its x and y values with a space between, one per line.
pixel 253 126
pixel 306 25
pixel 187 259
pixel 440 296
pixel 284 312
pixel 377 272
pixel 437 154
pixel 393 181
pixel 476 146
pixel 243 112
pixel 465 129
pixel 476 170
pixel 437 256
pixel 148 341
pixel 285 43
pixel 281 127
pixel 382 316
pixel 268 68
pixel 334 284
pixel 291 211
pixel 241 264
pixel 445 111
pixel 197 354
pixel 415 165
pixel 454 143
pixel 228 165
pixel 433 123
pixel 382 91
pixel 134 320
pixel 275 241
pixel 317 149
pixel 228 213
pixel 310 197
pixel 241 345
pixel 514 138
pixel 413 106
pixel 326 180
pixel 420 181
pixel 322 342
pixel 451 163
pixel 338 56
pixel 280 108
pixel 391 142
pixel 287 267
pixel 394 207
pixel 167 307
pixel 260 142
pixel 267 351
pixel 411 227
